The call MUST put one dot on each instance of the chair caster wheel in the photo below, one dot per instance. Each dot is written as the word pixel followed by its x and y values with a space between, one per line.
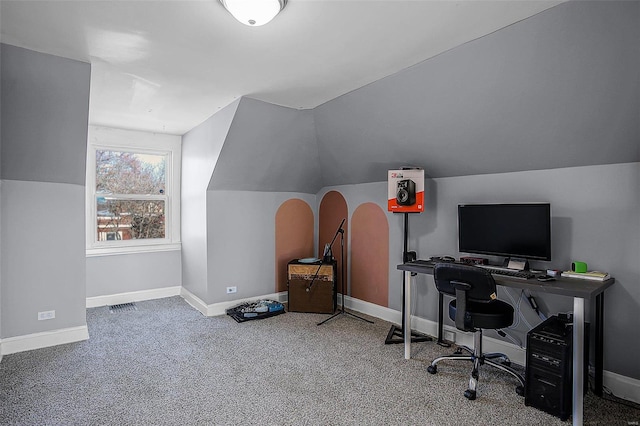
pixel 433 369
pixel 470 394
pixel 520 390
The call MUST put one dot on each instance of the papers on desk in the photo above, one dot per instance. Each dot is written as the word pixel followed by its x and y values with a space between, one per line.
pixel 591 275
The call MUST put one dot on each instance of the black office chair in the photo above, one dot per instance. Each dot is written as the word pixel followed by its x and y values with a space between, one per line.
pixel 474 308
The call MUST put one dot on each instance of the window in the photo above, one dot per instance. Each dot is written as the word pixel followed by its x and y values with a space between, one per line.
pixel 132 192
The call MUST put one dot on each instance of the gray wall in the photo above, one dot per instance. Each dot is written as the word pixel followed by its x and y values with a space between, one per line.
pixel 114 274
pixel 269 148
pixel 241 241
pixel 595 219
pixel 200 151
pixel 263 154
pixel 45 105
pixel 43 260
pixel 598 224
pixel 559 89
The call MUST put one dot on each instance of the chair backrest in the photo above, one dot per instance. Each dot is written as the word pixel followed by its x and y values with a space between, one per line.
pixel 483 286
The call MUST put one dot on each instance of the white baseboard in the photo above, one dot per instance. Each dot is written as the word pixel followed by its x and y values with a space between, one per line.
pixel 44 339
pixel 371 309
pixel 134 296
pixel 622 386
pixel 194 301
pixel 220 308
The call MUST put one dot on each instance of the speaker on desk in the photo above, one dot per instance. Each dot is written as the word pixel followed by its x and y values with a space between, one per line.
pixel 549 370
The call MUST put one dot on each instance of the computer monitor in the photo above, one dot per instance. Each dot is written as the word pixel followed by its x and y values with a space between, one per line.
pixel 511 230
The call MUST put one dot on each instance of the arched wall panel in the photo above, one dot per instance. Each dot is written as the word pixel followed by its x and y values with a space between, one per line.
pixel 370 255
pixel 294 237
pixel 333 208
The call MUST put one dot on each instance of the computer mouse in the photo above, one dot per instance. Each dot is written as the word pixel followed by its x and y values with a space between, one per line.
pixel 545 278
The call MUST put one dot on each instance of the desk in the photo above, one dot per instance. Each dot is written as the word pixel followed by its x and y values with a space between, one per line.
pixel 580 290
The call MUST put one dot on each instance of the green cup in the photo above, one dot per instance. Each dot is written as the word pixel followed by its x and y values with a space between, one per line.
pixel 580 267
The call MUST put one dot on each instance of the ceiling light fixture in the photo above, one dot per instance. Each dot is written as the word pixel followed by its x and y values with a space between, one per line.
pixel 254 12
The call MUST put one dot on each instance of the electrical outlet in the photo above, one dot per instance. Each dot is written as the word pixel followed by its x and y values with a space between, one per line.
pixel 233 289
pixel 46 315
pixel 449 336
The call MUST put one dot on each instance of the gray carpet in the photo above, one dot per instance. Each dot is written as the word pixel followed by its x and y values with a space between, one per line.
pixel 166 364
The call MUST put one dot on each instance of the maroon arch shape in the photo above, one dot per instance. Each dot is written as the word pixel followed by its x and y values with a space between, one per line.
pixel 294 237
pixel 370 255
pixel 333 208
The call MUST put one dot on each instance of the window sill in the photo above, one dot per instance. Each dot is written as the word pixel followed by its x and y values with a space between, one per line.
pixel 114 251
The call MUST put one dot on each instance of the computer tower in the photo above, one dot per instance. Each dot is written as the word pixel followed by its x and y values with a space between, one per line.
pixel 549 369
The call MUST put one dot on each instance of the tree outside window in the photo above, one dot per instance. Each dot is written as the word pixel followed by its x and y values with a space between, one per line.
pixel 130 195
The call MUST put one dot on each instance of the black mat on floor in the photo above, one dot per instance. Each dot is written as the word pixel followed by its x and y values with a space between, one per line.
pixel 256 310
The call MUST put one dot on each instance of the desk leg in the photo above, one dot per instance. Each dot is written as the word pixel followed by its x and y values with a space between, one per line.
pixel 440 325
pixel 407 315
pixel 599 361
pixel 578 360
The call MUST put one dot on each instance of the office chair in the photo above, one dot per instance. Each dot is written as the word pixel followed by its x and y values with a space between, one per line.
pixel 474 308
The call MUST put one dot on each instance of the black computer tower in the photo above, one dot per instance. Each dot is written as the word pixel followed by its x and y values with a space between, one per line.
pixel 549 370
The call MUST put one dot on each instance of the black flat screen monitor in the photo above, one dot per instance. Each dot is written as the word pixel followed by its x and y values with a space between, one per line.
pixel 510 230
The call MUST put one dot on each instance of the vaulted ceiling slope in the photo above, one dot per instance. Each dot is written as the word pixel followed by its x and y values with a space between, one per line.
pixel 269 148
pixel 560 89
pixel 167 65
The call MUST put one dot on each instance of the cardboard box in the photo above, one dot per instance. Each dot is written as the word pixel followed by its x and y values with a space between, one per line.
pixel 406 191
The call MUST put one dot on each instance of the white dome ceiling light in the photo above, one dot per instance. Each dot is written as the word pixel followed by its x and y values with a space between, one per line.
pixel 254 12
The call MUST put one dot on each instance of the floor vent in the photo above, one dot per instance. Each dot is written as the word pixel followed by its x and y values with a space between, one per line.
pixel 123 307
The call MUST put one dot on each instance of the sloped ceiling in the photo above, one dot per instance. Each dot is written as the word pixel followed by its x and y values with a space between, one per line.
pixel 269 148
pixel 560 89
pixel 458 88
pixel 167 65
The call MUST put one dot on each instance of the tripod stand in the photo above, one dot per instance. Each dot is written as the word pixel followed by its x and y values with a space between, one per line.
pixel 328 252
pixel 396 334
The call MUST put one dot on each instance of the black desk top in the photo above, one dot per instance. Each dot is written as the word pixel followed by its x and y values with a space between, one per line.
pixel 572 287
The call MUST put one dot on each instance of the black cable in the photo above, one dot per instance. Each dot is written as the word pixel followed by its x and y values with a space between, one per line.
pixel 534 305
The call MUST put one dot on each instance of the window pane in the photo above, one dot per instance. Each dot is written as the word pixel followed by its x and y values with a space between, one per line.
pixel 130 219
pixel 129 173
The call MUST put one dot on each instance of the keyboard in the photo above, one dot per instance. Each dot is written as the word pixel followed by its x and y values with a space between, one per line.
pixel 525 275
pixel 495 270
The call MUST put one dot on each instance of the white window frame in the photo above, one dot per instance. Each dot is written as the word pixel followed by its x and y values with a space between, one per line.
pixel 103 138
